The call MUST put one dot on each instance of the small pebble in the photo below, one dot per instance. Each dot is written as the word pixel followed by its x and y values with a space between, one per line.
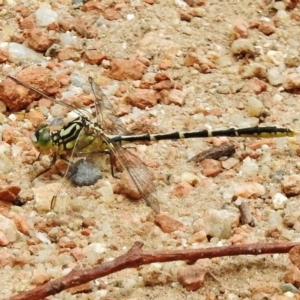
pixel 291 81
pixel 45 15
pixel 293 276
pixel 43 196
pixel 249 167
pixel 290 185
pixel 274 224
pixel 229 163
pixel 218 223
pixel 279 201
pixel 255 107
pixel 242 47
pixel 167 223
pixel 192 277
pixel 153 275
pixel 274 76
pixel 9 229
pixel 190 178
pixel 294 255
pixel 249 189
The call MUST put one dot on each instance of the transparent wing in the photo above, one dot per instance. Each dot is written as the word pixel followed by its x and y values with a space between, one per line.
pixel 140 175
pixel 110 123
pixel 106 115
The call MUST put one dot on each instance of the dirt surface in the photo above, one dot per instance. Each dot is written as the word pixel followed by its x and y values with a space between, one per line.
pixel 166 66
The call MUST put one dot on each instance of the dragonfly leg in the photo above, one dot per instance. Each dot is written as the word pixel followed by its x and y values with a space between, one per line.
pixel 107 152
pixel 54 159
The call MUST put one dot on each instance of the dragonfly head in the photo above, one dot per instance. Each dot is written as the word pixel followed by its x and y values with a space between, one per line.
pixel 42 138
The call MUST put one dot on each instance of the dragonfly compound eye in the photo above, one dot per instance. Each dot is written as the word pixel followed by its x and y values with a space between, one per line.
pixel 42 138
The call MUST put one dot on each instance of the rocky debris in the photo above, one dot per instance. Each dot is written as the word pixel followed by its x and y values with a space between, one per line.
pixel 36 117
pixel 13 96
pixel 211 167
pixel 163 85
pixel 43 196
pixel 173 96
pixel 257 144
pixel 185 15
pixel 256 85
pixel 293 276
pixel 254 70
pixel 200 63
pixel 290 185
pixel 275 76
pixel 28 22
pixel 255 107
pixel 153 275
pixel 142 98
pixel 182 189
pixel 9 192
pixel 20 221
pixel 4 55
pixel 265 290
pixel 292 82
pixel 45 15
pixel 112 14
pixel 188 13
pixel 192 277
pixel 218 223
pixel 245 211
pixel 240 28
pixel 275 224
pixel 82 288
pixel 39 40
pixel 8 230
pixel 17 97
pixel 94 57
pixel 198 237
pixel 229 163
pixel 126 187
pixel 68 54
pixel 190 178
pixel 291 215
pixel 78 254
pixel 242 47
pixel 195 3
pixel 149 1
pixel 266 27
pixel 93 5
pixel 279 201
pixel 249 189
pixel 6 163
pixel 294 256
pixel 7 136
pixel 122 69
pixel 41 278
pixel 167 223
pixel 210 89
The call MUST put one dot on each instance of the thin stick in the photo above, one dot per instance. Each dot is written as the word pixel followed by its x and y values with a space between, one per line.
pixel 136 257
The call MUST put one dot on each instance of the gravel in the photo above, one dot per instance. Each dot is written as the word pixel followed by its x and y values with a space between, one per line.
pixel 217 65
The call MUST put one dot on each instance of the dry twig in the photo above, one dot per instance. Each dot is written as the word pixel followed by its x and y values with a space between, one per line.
pixel 136 257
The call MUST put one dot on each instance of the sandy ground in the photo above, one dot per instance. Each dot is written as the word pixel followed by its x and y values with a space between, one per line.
pixel 210 82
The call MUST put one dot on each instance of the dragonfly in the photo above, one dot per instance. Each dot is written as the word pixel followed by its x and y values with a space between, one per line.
pixel 108 134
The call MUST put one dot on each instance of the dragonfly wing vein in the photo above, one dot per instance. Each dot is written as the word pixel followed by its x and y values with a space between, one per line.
pixel 105 112
pixel 140 175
